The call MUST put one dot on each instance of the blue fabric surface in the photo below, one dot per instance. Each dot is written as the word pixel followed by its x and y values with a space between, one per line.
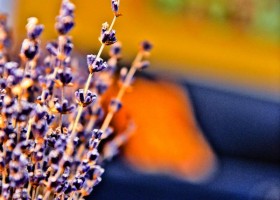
pixel 237 125
pixel 235 180
pixel 245 133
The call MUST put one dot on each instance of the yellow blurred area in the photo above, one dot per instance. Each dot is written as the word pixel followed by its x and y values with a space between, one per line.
pixel 193 47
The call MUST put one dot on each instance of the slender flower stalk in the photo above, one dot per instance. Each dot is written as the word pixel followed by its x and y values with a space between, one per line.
pixel 90 77
pixel 137 64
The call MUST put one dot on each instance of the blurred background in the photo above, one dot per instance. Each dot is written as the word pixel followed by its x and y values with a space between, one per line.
pixel 224 54
pixel 226 42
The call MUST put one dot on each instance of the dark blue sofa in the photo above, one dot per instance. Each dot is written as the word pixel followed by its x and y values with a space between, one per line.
pixel 243 130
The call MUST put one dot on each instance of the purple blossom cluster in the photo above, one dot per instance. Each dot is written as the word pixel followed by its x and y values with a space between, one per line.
pixel 49 141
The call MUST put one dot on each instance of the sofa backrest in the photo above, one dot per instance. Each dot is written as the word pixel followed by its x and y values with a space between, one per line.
pixel 237 125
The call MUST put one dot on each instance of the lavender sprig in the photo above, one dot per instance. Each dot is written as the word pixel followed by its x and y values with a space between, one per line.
pixel 43 155
pixel 105 30
pixel 69 148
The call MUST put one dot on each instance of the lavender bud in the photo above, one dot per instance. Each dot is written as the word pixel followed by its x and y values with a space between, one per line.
pixel 49 118
pixel 93 143
pixel 123 74
pixel 52 48
pixel 109 131
pixel 115 50
pixel 108 38
pixel 29 49
pixel 84 100
pixel 115 105
pixel 101 86
pixel 65 76
pixel 2 162
pixel 97 181
pixel 94 172
pixel 53 182
pixel 65 108
pixel 37 31
pixel 39 197
pixel 68 48
pixel 111 149
pixel 67 8
pixel 33 30
pixel 11 65
pixel 78 182
pixel 67 162
pixel 92 155
pixel 68 189
pixel 90 59
pixel 143 65
pixel 3 136
pixel 76 141
pixel 104 27
pixel 146 46
pixel 96 134
pixel 6 191
pixel 54 157
pixel 84 167
pixel 95 65
pixel 115 5
pixel 64 24
pixel 24 194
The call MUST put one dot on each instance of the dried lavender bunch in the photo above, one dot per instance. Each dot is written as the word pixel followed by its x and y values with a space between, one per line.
pixel 50 143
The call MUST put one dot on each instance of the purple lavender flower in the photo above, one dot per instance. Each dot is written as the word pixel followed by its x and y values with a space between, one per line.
pixel 2 96
pixel 29 49
pixel 65 76
pixel 33 29
pixel 52 48
pixel 115 5
pixel 95 65
pixel 78 182
pixel 115 105
pixel 67 48
pixel 108 132
pixel 67 8
pixel 115 50
pixel 83 99
pixel 108 37
pixel 65 21
pixel 101 86
pixel 146 46
pixel 143 65
pixel 92 155
pixel 123 74
pixel 5 40
pixel 64 108
pixel 96 134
